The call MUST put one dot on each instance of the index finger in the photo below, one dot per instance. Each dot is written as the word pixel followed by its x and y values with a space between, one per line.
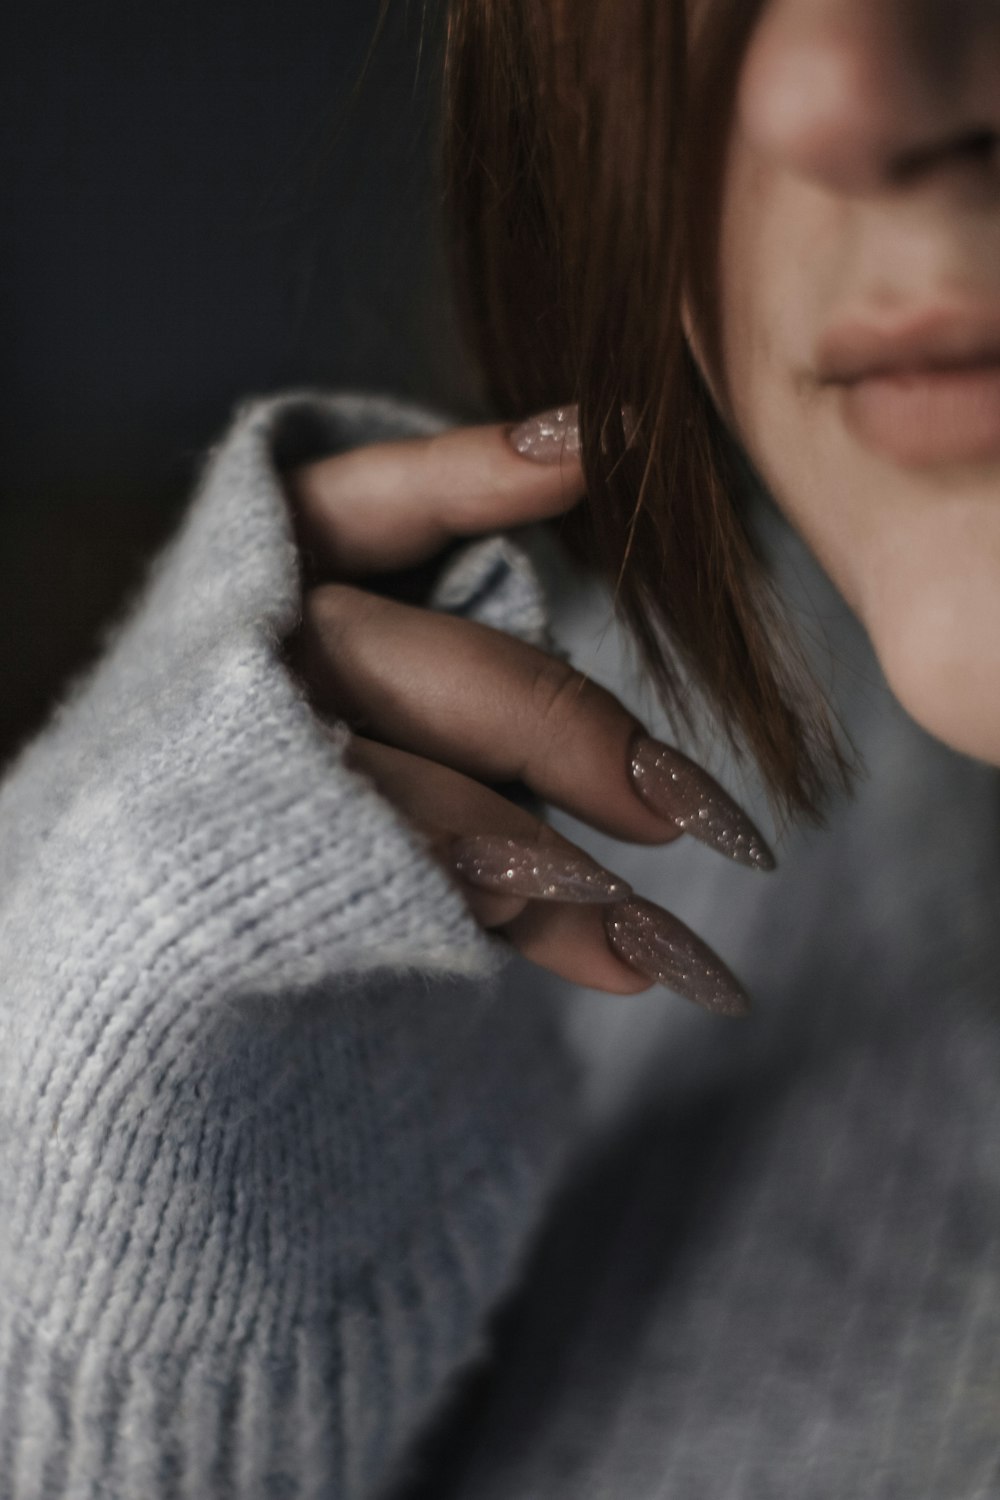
pixel 393 505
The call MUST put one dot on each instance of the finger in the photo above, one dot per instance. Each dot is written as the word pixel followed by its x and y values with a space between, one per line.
pixel 567 938
pixel 392 505
pixel 621 945
pixel 456 811
pixel 498 709
pixel 571 942
pixel 477 700
pixel 654 943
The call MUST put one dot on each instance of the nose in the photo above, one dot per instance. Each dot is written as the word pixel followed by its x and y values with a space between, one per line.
pixel 861 96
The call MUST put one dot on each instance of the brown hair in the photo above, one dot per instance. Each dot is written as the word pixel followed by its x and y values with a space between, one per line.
pixel 571 178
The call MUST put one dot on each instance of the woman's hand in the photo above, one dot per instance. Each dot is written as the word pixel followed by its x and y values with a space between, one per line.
pixel 440 708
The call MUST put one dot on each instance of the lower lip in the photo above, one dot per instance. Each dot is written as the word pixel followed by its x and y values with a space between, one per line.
pixel 925 417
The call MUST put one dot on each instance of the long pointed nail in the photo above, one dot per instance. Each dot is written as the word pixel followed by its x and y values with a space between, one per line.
pixel 662 947
pixel 549 437
pixel 515 868
pixel 679 790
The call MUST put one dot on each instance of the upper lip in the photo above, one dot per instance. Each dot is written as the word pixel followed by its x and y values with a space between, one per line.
pixel 936 339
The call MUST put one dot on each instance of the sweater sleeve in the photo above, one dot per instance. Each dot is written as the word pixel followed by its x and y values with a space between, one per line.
pixel 274 1131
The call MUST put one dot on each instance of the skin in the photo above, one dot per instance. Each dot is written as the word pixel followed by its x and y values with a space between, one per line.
pixel 847 186
pixel 856 183
pixel 430 739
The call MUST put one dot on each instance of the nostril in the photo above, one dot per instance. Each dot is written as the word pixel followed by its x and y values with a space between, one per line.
pixel 976 148
pixel 980 142
pixel 861 96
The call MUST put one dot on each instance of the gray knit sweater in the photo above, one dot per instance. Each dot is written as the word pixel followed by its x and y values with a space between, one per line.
pixel 281 1129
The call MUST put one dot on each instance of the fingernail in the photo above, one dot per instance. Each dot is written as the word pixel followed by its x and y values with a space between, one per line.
pixel 495 863
pixel 678 789
pixel 547 438
pixel 660 946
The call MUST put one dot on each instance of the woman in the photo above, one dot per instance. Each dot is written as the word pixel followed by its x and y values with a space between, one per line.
pixel 281 1124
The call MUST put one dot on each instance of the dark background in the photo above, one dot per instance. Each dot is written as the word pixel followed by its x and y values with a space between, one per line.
pixel 200 202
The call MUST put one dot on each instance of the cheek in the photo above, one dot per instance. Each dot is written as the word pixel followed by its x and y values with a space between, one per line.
pixel 756 281
pixel 773 297
pixel 916 558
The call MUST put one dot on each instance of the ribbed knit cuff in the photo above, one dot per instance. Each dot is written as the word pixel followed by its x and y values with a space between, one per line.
pixel 269 1146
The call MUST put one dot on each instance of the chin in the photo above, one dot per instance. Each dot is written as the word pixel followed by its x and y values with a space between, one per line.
pixel 940 652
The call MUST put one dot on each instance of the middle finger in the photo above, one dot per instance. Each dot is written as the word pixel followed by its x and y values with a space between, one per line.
pixel 499 709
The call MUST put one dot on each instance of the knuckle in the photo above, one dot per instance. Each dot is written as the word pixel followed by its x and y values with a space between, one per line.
pixel 557 696
pixel 310 488
pixel 441 473
pixel 337 609
pixel 427 454
pixel 546 837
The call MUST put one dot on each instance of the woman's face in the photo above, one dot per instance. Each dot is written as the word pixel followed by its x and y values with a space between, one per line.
pixel 860 323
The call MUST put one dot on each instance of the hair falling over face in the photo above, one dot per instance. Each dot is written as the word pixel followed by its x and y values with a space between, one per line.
pixel 581 146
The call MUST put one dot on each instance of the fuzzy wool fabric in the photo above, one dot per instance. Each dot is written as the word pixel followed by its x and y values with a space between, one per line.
pixel 309 1189
pixel 269 1140
pixel 775 1273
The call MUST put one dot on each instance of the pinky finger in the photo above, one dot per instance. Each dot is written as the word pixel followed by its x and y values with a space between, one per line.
pixel 602 936
pixel 571 941
pixel 454 812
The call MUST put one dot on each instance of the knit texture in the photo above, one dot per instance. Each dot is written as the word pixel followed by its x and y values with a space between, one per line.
pixel 287 1147
pixel 269 1145
pixel 777 1274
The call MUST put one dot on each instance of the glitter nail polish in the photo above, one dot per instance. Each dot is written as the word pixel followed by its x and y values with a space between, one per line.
pixel 515 868
pixel 549 437
pixel 676 788
pixel 660 946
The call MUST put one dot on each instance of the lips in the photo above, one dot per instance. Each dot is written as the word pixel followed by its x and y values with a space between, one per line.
pixel 920 391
